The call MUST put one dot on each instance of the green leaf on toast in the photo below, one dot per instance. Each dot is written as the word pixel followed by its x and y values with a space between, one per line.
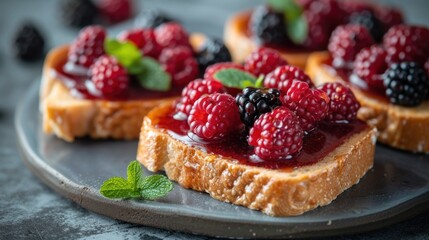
pixel 235 78
pixel 155 186
pixel 153 76
pixel 127 54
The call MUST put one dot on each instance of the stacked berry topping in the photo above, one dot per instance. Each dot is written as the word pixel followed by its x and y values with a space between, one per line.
pixel 397 68
pixel 309 24
pixel 156 58
pixel 277 105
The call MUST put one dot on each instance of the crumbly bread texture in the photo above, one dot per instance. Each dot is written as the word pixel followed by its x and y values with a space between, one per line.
pixel 240 44
pixel 69 117
pixel 275 192
pixel 406 128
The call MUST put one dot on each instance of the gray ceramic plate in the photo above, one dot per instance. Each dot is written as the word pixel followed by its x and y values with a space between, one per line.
pixel 397 187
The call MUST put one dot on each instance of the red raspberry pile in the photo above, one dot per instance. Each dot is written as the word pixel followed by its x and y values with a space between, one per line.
pixel 276 117
pixel 167 43
pixel 374 66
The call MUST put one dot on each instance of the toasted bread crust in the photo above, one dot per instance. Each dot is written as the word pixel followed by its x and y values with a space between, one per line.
pixel 406 128
pixel 69 117
pixel 241 45
pixel 275 192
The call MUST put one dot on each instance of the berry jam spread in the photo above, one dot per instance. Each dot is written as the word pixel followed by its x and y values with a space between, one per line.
pixel 243 22
pixel 346 76
pixel 317 144
pixel 82 87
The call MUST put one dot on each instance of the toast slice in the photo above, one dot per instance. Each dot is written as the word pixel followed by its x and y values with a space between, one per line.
pixel 69 117
pixel 276 192
pixel 406 128
pixel 240 44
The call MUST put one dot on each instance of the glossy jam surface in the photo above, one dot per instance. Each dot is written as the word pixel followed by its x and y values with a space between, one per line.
pixel 345 75
pixel 317 144
pixel 287 47
pixel 82 87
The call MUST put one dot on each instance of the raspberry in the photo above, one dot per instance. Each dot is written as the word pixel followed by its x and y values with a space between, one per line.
pixel 282 77
pixel 180 63
pixel 407 84
pixel 263 61
pixel 213 69
pixel 78 13
pixel 368 20
pixel 213 51
pixel 267 25
pixel 116 10
pixel 144 39
pixel 214 116
pixel 405 43
pixel 331 10
pixel 346 41
pixel 28 43
pixel 309 105
pixel 253 102
pixel 370 64
pixel 318 30
pixel 388 16
pixel 151 19
pixel 343 105
pixel 194 90
pixel 88 46
pixel 172 35
pixel 108 76
pixel 276 135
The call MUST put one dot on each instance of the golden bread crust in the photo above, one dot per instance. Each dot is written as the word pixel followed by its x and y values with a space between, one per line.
pixel 241 45
pixel 406 128
pixel 275 192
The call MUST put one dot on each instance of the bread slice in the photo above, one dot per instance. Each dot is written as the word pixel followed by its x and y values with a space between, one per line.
pixel 406 128
pixel 241 45
pixel 275 192
pixel 69 117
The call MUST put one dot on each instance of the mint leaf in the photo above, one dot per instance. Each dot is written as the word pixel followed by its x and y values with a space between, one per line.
pixel 117 187
pixel 235 78
pixel 127 54
pixel 134 174
pixel 155 186
pixel 153 76
pixel 296 23
pixel 259 82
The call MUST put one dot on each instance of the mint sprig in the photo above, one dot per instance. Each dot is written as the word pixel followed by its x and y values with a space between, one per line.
pixel 236 78
pixel 296 23
pixel 149 73
pixel 136 186
pixel 153 76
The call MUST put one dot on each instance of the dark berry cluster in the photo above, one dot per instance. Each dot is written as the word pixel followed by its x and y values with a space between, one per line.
pixel 406 84
pixel 28 43
pixel 253 102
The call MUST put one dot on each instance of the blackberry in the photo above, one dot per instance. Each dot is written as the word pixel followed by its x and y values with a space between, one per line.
pixel 253 102
pixel 79 13
pixel 370 22
pixel 152 19
pixel 213 51
pixel 28 43
pixel 406 84
pixel 268 26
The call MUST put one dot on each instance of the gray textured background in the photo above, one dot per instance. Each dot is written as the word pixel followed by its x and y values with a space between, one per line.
pixel 30 210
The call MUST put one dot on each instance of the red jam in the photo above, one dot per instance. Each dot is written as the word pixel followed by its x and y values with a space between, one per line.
pixel 317 144
pixel 345 75
pixel 81 87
